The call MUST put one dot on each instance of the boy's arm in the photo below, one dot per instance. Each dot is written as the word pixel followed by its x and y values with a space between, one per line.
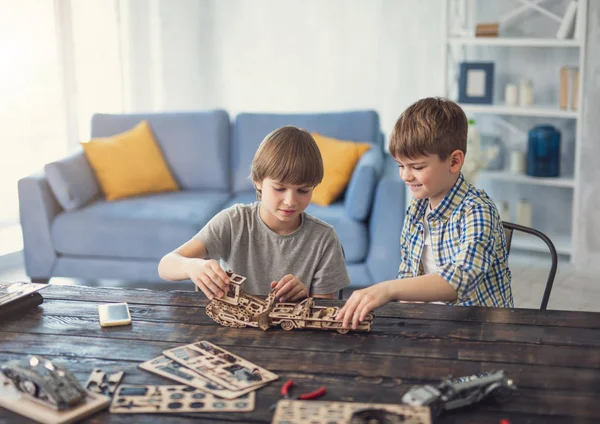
pixel 425 288
pixel 173 266
pixel 475 250
pixel 186 262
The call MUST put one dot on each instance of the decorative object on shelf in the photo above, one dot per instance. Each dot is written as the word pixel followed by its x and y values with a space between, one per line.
pixel 526 93
pixel 543 151
pixel 575 89
pixel 563 96
pixel 504 210
pixel 460 19
pixel 476 159
pixel 476 82
pixel 511 93
pixel 492 148
pixel 517 162
pixel 569 87
pixel 567 24
pixel 487 30
pixel 524 213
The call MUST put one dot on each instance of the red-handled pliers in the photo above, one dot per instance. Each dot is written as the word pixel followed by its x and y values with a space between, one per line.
pixel 287 387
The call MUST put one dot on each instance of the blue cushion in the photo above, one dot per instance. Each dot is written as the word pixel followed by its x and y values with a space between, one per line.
pixel 72 181
pixel 361 189
pixel 251 128
pixel 359 276
pixel 353 234
pixel 144 227
pixel 194 144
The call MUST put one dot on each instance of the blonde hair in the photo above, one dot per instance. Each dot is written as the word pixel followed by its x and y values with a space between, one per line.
pixel 288 155
pixel 429 126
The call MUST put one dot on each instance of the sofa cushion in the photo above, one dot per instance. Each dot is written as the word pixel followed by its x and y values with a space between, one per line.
pixel 72 181
pixel 129 164
pixel 251 128
pixel 194 144
pixel 359 193
pixel 352 234
pixel 138 228
pixel 339 160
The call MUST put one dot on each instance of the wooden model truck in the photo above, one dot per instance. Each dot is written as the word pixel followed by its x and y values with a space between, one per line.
pixel 238 309
pixel 306 315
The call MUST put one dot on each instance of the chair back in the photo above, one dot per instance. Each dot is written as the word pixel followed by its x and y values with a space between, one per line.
pixel 510 228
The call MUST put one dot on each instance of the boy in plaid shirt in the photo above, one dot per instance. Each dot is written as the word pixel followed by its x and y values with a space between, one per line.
pixel 453 248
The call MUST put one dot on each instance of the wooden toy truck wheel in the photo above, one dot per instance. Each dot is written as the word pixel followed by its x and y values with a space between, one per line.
pixel 287 325
pixel 343 330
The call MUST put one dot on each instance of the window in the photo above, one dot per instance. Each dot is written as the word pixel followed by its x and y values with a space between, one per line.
pixel 59 64
pixel 32 120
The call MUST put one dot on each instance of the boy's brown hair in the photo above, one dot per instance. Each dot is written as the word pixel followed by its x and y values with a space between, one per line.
pixel 289 155
pixel 429 126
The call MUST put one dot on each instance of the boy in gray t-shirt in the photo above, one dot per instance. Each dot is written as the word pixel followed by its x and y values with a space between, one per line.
pixel 273 242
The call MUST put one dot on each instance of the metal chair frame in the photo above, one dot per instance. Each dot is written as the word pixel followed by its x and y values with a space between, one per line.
pixel 509 228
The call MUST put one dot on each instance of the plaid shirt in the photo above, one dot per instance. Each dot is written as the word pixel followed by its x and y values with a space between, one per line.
pixel 468 245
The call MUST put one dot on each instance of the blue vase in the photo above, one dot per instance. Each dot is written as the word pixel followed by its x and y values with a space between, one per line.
pixel 543 151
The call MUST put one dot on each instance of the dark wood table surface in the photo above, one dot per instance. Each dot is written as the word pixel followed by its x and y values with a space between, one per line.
pixel 553 356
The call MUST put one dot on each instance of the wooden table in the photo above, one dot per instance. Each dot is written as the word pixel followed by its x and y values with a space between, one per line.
pixel 553 356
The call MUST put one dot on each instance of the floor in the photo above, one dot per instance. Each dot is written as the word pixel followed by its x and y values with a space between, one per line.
pixel 573 290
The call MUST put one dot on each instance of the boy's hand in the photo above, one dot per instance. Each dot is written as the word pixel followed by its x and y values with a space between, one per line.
pixel 361 303
pixel 208 276
pixel 289 289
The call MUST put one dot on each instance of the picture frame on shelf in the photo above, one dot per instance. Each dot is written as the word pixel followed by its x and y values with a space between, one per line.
pixel 476 83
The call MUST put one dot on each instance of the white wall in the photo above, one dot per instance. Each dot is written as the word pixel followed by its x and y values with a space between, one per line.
pixel 269 55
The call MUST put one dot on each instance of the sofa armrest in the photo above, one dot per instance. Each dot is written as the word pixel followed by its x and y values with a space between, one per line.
pixel 72 181
pixel 385 225
pixel 361 189
pixel 38 208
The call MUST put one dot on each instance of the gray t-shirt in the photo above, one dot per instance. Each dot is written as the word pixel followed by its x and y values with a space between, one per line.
pixel 246 245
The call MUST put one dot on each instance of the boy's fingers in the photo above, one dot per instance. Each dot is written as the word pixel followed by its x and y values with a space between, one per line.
pixel 350 308
pixel 365 310
pixel 285 279
pixel 210 285
pixel 218 271
pixel 200 285
pixel 216 278
pixel 297 293
pixel 357 313
pixel 273 284
pixel 285 289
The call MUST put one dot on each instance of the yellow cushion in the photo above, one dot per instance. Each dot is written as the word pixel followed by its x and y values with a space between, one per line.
pixel 339 159
pixel 129 164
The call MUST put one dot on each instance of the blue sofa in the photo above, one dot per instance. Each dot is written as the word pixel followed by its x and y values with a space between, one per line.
pixel 70 230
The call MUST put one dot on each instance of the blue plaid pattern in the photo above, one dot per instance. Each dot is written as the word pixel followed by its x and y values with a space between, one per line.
pixel 468 244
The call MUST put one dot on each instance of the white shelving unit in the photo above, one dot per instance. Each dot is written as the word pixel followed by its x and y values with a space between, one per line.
pixel 461 45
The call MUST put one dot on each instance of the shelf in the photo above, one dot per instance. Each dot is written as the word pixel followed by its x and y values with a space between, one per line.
pixel 526 179
pixel 562 243
pixel 513 41
pixel 520 111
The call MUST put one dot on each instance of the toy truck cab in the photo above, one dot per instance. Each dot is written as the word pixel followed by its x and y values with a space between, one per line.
pixel 236 287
